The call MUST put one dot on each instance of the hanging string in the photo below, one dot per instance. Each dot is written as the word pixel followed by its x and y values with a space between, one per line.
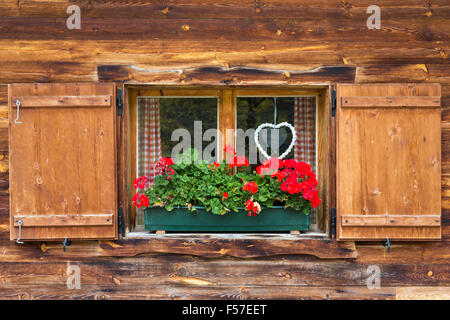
pixel 275 111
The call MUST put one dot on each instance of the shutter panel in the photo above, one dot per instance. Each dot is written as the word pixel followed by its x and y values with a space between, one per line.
pixel 388 162
pixel 63 161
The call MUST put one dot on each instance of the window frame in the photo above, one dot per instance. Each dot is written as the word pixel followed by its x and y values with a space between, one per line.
pixel 227 119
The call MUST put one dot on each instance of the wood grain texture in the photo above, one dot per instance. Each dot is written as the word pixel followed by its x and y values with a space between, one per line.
pixel 226 76
pixel 391 220
pixel 80 220
pixel 292 35
pixel 423 293
pixel 62 101
pixel 389 102
pixel 67 165
pixel 244 246
pixel 388 162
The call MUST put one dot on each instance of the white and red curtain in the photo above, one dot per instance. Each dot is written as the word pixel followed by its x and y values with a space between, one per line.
pixel 305 127
pixel 148 136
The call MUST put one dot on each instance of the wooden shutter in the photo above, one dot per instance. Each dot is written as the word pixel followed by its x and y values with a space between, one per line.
pixel 63 161
pixel 388 162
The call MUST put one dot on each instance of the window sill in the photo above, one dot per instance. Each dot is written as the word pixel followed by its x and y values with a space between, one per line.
pixel 236 245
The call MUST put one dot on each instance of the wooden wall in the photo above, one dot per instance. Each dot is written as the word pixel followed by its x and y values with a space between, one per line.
pixel 411 46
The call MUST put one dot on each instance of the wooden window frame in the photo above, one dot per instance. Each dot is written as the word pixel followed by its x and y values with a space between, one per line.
pixel 321 244
pixel 227 119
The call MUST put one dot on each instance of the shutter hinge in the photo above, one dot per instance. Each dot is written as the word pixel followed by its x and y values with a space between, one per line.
pixel 119 102
pixel 333 102
pixel 121 224
pixel 333 222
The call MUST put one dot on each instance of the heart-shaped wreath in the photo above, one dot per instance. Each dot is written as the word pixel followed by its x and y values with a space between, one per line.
pixel 275 126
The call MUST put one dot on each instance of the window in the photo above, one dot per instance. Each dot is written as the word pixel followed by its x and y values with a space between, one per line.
pixel 160 116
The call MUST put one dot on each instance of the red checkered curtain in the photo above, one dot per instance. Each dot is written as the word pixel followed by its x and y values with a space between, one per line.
pixel 305 127
pixel 148 136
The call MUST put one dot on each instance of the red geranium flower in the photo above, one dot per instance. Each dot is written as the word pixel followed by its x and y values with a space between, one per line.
pixel 303 169
pixel 143 200
pixel 230 150
pixel 167 161
pixel 140 200
pixel 225 195
pixel 274 163
pixel 290 163
pixel 262 170
pixel 140 183
pixel 278 174
pixel 315 201
pixel 252 187
pixel 239 161
pixel 252 208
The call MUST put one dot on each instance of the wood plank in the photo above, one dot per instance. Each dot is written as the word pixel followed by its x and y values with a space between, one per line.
pixel 422 293
pixel 244 246
pixel 226 9
pixel 391 220
pixel 187 271
pixel 243 29
pixel 182 292
pixel 390 102
pixel 65 220
pixel 62 101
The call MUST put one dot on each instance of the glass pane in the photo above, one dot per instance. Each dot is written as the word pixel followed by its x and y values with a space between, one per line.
pixel 169 126
pixel 299 112
pixel 254 111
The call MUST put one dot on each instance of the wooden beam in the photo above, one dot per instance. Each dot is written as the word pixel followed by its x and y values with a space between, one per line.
pixel 62 101
pixel 390 220
pixel 64 220
pixel 236 245
pixel 221 76
pixel 391 102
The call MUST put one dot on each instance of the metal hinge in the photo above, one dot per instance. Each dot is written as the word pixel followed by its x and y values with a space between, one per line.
pixel 333 222
pixel 119 102
pixel 121 224
pixel 333 102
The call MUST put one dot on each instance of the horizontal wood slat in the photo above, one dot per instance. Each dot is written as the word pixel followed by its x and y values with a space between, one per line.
pixel 398 101
pixel 391 220
pixel 62 101
pixel 64 220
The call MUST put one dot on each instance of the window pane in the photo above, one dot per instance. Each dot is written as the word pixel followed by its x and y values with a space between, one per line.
pixel 300 112
pixel 182 119
pixel 180 113
pixel 159 118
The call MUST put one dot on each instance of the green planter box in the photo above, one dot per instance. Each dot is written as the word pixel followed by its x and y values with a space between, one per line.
pixel 182 220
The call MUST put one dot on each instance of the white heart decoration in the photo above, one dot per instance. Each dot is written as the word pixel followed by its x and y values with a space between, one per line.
pixel 277 126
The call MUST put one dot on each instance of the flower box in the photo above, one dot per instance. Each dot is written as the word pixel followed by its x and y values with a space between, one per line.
pixel 269 220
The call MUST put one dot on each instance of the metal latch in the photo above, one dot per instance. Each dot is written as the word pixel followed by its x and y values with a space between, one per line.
pixel 20 222
pixel 18 112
